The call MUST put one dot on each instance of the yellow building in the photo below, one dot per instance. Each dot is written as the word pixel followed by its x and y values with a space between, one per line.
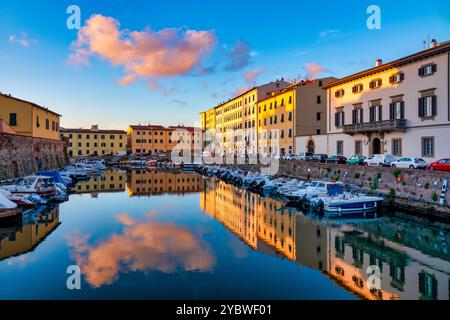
pixel 235 120
pixel 29 119
pixel 147 183
pixel 96 142
pixel 156 139
pixel 298 110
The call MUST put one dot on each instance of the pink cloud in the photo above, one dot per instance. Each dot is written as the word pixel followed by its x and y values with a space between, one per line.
pixel 149 54
pixel 252 75
pixel 158 246
pixel 313 70
pixel 239 57
pixel 23 40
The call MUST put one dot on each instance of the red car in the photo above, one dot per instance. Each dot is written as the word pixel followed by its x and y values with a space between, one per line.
pixel 441 165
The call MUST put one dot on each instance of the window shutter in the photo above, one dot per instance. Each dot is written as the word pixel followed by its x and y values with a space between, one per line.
pixel 391 79
pixel 372 114
pixel 371 85
pixel 402 110
pixel 336 119
pixel 361 113
pixel 434 68
pixel 343 118
pixel 422 283
pixel 391 111
pixel 421 105
pixel 354 116
pixel 380 111
pixel 421 73
pixel 434 105
pixel 402 76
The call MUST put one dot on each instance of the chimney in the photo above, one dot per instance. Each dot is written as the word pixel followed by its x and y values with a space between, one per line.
pixel 433 43
pixel 378 63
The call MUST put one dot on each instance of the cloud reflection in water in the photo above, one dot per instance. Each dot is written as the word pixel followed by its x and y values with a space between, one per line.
pixel 147 246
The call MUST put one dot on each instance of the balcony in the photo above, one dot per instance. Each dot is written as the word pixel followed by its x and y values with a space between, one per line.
pixel 380 126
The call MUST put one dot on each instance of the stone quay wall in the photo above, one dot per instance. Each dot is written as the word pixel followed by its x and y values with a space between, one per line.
pixel 418 191
pixel 21 155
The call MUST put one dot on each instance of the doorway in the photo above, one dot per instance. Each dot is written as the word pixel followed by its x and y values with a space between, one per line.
pixel 376 146
pixel 311 147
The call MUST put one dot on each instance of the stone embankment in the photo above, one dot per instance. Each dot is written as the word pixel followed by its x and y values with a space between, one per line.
pixel 417 191
pixel 21 155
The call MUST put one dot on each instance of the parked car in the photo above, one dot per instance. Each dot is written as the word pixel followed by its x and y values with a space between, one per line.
pixel 304 156
pixel 411 163
pixel 380 160
pixel 337 159
pixel 318 158
pixel 356 160
pixel 441 165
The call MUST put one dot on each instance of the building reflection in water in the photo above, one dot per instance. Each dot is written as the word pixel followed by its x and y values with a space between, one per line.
pixel 414 261
pixel 156 182
pixel 28 231
pixel 108 181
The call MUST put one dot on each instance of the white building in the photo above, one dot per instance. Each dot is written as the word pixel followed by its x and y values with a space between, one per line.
pixel 401 107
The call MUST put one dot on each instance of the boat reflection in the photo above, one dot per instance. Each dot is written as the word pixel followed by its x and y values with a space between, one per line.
pixel 413 260
pixel 156 182
pixel 26 233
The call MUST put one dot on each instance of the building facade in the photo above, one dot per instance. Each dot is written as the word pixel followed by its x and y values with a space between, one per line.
pixel 232 125
pixel 29 119
pixel 157 139
pixel 298 110
pixel 401 107
pixel 94 142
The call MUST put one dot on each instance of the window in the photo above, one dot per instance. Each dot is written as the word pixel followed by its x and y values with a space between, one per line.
pixel 339 93
pixel 290 133
pixel 282 134
pixel 37 122
pixel 427 146
pixel 375 84
pixel 13 119
pixel 112 137
pixel 47 124
pixel 358 88
pixel 340 147
pixel 358 147
pixel 427 70
pixel 319 99
pixel 275 120
pixel 397 147
pixel 290 99
pixel 358 115
pixel 339 116
pixel 318 131
pixel 397 78
pixel 318 116
pixel 88 144
pixel 290 116
pixel 397 110
pixel 282 118
pixel 427 106
pixel 376 113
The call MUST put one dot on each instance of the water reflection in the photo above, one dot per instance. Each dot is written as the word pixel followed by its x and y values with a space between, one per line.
pixel 178 239
pixel 108 181
pixel 24 234
pixel 413 259
pixel 142 246
pixel 155 182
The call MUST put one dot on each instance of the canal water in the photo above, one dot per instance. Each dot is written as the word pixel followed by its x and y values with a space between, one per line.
pixel 160 235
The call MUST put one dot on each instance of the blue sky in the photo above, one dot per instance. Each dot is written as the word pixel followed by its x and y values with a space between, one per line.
pixel 276 40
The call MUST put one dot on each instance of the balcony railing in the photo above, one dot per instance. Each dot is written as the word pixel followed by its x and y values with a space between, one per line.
pixel 380 126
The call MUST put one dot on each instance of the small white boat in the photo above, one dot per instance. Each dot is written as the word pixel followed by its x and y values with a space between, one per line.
pixel 98 165
pixel 316 189
pixel 6 204
pixel 40 185
pixel 73 171
pixel 350 204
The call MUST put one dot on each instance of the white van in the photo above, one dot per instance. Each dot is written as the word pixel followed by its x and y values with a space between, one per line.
pixel 380 160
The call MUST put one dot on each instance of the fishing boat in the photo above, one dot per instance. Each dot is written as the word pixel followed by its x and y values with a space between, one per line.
pixel 40 185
